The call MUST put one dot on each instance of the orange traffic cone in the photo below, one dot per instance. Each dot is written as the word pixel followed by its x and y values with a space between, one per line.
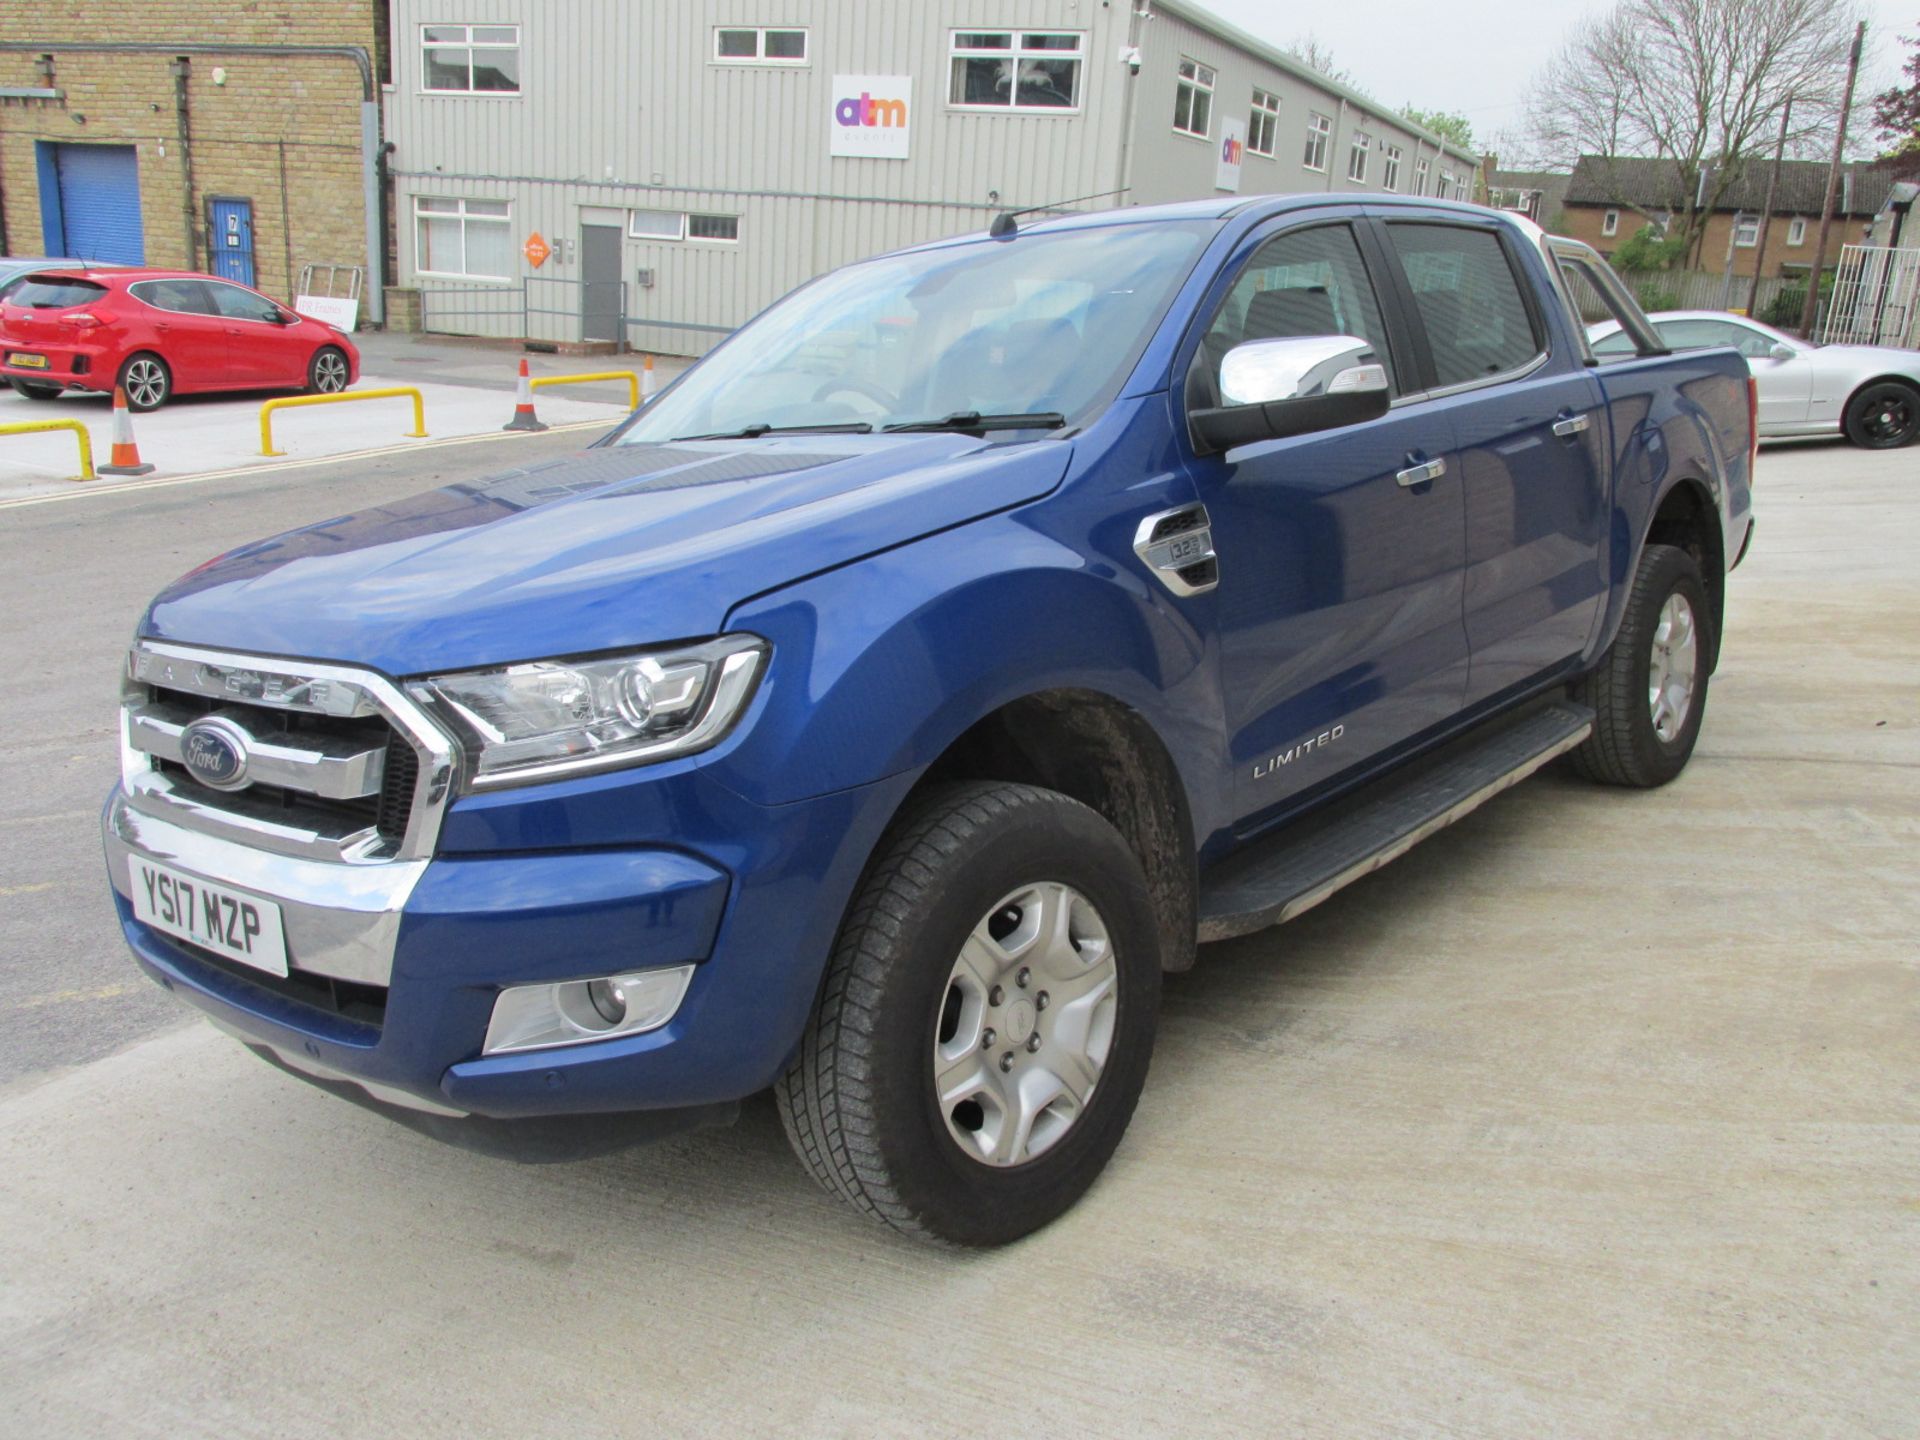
pixel 649 385
pixel 126 454
pixel 523 416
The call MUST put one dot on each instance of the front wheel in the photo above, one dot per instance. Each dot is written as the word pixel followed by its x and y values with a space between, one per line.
pixel 1884 416
pixel 1649 691
pixel 147 382
pixel 986 1021
pixel 327 371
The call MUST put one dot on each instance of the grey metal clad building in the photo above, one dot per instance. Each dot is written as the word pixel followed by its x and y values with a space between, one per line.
pixel 683 163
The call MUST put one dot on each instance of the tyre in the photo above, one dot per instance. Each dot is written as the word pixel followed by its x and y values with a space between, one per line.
pixel 985 1023
pixel 327 371
pixel 146 380
pixel 33 391
pixel 1884 416
pixel 1649 691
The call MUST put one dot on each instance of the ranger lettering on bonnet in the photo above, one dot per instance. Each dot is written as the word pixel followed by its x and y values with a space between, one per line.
pixel 882 709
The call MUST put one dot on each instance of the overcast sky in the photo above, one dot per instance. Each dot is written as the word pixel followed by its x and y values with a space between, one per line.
pixel 1476 56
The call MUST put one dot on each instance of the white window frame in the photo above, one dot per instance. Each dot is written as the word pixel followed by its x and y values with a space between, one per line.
pixel 680 227
pixel 1017 52
pixel 1797 231
pixel 1264 114
pixel 693 239
pixel 1610 224
pixel 1443 187
pixel 1422 167
pixel 465 219
pixel 1748 226
pixel 1201 79
pixel 760 56
pixel 1390 157
pixel 1319 141
pixel 1360 148
pixel 469 45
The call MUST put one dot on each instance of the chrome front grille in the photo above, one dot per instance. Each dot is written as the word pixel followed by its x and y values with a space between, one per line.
pixel 337 764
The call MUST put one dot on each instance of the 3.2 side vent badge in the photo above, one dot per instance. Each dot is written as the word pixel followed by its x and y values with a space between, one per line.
pixel 1177 545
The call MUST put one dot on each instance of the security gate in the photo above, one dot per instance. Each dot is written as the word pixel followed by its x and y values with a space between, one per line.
pixel 230 237
pixel 1876 298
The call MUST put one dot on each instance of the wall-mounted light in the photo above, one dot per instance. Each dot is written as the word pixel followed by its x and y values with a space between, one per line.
pixel 77 118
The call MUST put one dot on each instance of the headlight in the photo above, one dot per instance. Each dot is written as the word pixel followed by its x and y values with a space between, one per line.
pixel 550 718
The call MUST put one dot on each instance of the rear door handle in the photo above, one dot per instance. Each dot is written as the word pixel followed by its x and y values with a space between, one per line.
pixel 1572 424
pixel 1420 474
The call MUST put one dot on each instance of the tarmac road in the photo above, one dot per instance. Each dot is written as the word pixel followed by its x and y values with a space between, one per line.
pixel 1598 1115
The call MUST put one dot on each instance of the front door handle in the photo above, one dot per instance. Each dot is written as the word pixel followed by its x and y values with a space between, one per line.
pixel 1569 425
pixel 1420 474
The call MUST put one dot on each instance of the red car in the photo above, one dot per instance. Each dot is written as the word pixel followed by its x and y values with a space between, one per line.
pixel 158 333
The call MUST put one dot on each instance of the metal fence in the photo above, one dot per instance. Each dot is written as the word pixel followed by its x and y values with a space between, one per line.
pixel 545 307
pixel 1876 298
pixel 1714 290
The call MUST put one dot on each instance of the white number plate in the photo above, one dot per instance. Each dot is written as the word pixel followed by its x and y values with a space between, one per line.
pixel 227 922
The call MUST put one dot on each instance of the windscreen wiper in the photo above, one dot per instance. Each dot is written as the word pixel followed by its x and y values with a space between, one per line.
pixel 754 432
pixel 970 421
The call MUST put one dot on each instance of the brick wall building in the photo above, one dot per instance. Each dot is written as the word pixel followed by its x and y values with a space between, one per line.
pixel 194 153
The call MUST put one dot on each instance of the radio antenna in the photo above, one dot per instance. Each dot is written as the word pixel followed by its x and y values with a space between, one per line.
pixel 1003 223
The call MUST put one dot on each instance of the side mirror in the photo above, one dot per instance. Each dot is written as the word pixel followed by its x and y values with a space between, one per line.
pixel 1295 386
pixel 1781 352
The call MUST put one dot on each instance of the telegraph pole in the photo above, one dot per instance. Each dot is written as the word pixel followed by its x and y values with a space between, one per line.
pixel 1812 305
pixel 1766 211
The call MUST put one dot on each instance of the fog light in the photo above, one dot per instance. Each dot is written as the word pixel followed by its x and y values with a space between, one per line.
pixel 537 1017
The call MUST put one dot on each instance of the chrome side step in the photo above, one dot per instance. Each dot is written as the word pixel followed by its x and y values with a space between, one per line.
pixel 1275 880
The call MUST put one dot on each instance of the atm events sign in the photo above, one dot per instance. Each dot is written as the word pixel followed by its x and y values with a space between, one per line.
pixel 872 116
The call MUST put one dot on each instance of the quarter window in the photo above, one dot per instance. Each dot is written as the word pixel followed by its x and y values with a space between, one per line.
pixel 1306 282
pixel 759 45
pixel 1319 127
pixel 1468 300
pixel 1193 99
pixel 1357 158
pixel 470 59
pixel 1016 69
pixel 463 237
pixel 1390 167
pixel 1263 123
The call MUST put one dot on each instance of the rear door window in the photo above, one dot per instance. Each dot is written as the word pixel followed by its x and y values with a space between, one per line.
pixel 53 292
pixel 1700 334
pixel 183 297
pixel 1469 301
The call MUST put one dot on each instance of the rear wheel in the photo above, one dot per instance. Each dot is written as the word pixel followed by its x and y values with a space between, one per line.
pixel 327 371
pixel 146 380
pixel 986 1020
pixel 1884 416
pixel 33 391
pixel 1649 691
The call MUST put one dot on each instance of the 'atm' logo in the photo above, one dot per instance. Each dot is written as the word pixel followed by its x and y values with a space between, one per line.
pixel 1231 149
pixel 863 109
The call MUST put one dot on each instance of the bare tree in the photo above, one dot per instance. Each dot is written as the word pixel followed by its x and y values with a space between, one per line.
pixel 1314 53
pixel 1700 83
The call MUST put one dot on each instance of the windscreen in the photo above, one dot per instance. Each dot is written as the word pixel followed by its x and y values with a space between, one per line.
pixel 1038 323
pixel 54 292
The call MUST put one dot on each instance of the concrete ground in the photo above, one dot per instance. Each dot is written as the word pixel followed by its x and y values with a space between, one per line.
pixel 466 389
pixel 1598 1115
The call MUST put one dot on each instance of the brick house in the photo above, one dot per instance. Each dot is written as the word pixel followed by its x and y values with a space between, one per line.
pixel 1609 198
pixel 231 135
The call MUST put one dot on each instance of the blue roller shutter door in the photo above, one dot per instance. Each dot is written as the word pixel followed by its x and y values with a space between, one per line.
pixel 100 203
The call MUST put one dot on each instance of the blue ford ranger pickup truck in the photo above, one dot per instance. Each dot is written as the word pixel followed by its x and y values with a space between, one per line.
pixel 877 713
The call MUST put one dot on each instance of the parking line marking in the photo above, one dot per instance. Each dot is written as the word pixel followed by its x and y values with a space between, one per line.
pixel 69 997
pixel 6 890
pixel 132 485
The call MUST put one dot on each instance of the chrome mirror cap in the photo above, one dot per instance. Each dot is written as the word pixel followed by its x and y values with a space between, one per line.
pixel 1260 372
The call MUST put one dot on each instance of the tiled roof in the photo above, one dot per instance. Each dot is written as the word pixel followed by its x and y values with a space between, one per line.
pixel 1655 185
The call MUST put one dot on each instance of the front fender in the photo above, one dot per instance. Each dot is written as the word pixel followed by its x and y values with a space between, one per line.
pixel 881 665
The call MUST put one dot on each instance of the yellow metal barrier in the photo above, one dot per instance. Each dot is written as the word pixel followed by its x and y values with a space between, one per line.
pixel 419 431
pixel 633 382
pixel 29 427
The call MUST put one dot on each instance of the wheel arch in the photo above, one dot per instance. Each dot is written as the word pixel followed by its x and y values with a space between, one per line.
pixel 1688 518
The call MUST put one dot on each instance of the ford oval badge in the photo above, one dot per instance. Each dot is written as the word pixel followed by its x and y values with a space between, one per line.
pixel 215 753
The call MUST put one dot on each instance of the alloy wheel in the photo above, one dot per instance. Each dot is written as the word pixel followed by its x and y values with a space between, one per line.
pixel 145 383
pixel 1671 668
pixel 329 372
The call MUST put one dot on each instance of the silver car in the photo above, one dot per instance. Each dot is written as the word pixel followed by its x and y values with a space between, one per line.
pixel 1869 393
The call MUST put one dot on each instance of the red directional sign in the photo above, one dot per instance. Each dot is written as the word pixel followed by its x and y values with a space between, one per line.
pixel 537 250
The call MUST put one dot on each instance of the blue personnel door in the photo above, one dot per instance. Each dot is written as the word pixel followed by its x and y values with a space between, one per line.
pixel 230 238
pixel 90 202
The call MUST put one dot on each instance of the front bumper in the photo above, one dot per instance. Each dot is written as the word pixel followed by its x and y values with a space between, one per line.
pixel 448 934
